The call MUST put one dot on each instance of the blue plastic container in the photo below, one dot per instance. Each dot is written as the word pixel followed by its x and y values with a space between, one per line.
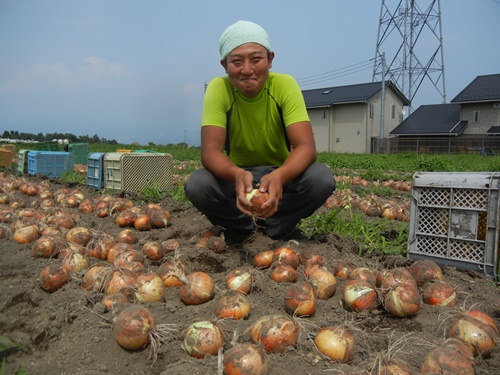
pixel 49 163
pixel 95 171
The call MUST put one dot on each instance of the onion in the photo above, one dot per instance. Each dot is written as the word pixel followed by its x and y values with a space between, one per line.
pixel 448 358
pixel 170 245
pixel 397 276
pixel 425 270
pixel 79 235
pixel 308 257
pixel 99 246
pixel 96 278
pixel 152 250
pixel 121 280
pixel 127 236
pixel 360 295
pixel 143 223
pixel 47 247
pixel 343 269
pixel 53 277
pixel 86 206
pixel 133 327
pixel 117 249
pixel 300 299
pixel 75 262
pixel 247 359
pixel 149 288
pixel 173 272
pixel 336 343
pixel 439 293
pixel 239 281
pixel 393 368
pixel 198 290
pixel 202 338
pixel 216 244
pixel 480 337
pixel 283 273
pixel 323 282
pixel 26 234
pixel 62 220
pixel 264 259
pixel 233 305
pixel 363 273
pixel 274 333
pixel 160 218
pixel 403 301
pixel 257 199
pixel 286 256
pixel 110 300
pixel 128 256
pixel 126 218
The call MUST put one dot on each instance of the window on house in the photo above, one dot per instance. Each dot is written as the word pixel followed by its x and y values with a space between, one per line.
pixel 476 116
pixel 372 109
pixel 393 111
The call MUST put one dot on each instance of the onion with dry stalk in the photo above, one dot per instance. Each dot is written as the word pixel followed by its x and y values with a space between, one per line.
pixel 75 262
pixel 425 270
pixel 337 343
pixel 99 246
pixel 343 269
pixel 79 235
pixel 149 287
pixel 127 236
pixel 26 234
pixel 286 256
pixel 363 273
pixel 283 273
pixel 53 277
pixel 121 280
pixel 451 357
pixel 111 300
pixel 202 338
pixel 97 277
pixel 360 295
pixel 126 218
pixel 198 289
pixel 300 299
pixel 257 199
pixel 275 333
pixel 143 223
pixel 152 250
pixel 246 359
pixel 239 280
pixel 170 246
pixel 173 272
pixel 323 282
pixel 47 247
pixel 233 305
pixel 263 259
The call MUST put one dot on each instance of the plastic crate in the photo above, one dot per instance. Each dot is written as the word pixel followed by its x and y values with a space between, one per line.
pixel 49 163
pixel 95 170
pixel 137 171
pixel 47 146
pixel 454 220
pixel 22 161
pixel 6 157
pixel 80 152
pixel 123 150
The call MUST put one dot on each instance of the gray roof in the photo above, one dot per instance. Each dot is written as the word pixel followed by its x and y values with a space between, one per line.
pixel 494 130
pixel 482 89
pixel 435 119
pixel 328 96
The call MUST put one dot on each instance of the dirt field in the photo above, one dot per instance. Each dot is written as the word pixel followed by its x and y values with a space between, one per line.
pixel 70 331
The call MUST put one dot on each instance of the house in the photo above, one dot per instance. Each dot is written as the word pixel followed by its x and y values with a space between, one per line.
pixel 345 119
pixel 474 112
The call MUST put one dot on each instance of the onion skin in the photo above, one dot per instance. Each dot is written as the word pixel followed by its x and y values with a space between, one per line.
pixel 360 295
pixel 246 359
pixel 286 256
pixel 239 281
pixel 173 272
pixel 198 290
pixel 79 235
pixel 96 278
pixel 300 299
pixel 479 336
pixel 283 273
pixel 120 281
pixel 394 369
pixel 233 305
pixel 26 234
pixel 132 327
pixel 53 277
pixel 439 293
pixel 143 223
pixel 403 301
pixel 149 288
pixel 343 269
pixel 448 358
pixel 425 270
pixel 363 273
pixel 152 250
pixel 264 259
pixel 274 333
pixel 257 199
pixel 337 343
pixel 75 262
pixel 110 300
pixel 47 247
pixel 202 338
pixel 127 236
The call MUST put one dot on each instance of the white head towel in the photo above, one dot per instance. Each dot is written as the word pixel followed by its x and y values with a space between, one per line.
pixel 240 33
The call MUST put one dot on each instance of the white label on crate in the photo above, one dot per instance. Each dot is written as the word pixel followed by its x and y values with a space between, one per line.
pixel 463 224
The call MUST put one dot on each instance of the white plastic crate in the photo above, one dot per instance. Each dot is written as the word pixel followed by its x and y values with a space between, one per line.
pixel 454 220
pixel 137 171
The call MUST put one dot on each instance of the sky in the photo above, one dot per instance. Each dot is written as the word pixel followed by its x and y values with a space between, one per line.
pixel 135 70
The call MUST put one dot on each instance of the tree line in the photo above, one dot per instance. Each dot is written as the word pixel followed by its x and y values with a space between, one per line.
pixel 40 137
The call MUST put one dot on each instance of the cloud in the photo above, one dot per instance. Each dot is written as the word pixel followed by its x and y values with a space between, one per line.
pixel 94 71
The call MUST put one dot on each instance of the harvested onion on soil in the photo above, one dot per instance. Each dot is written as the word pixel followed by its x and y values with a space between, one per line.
pixel 233 305
pixel 249 359
pixel 202 338
pixel 198 289
pixel 337 343
pixel 53 277
pixel 275 333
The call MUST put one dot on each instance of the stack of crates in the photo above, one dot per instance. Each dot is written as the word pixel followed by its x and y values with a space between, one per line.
pixel 95 170
pixel 136 171
pixel 80 152
pixel 49 163
pixel 47 146
pixel 22 161
pixel 455 220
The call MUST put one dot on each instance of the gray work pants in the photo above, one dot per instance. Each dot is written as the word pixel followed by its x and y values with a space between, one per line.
pixel 216 198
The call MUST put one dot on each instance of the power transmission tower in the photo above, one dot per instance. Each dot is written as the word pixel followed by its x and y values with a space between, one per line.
pixel 411 39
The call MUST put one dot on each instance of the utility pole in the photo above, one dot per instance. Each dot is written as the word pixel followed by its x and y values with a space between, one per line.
pixel 410 35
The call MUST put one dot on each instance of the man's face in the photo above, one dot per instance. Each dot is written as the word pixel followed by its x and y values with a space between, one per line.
pixel 247 67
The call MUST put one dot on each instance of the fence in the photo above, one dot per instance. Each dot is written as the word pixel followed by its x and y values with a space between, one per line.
pixel 489 145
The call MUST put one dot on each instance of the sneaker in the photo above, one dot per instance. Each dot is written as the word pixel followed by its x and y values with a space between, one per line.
pixel 236 237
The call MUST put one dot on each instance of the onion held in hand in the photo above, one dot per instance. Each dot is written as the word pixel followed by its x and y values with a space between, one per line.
pixel 257 199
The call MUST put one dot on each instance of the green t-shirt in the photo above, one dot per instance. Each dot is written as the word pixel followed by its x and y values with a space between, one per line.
pixel 256 129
